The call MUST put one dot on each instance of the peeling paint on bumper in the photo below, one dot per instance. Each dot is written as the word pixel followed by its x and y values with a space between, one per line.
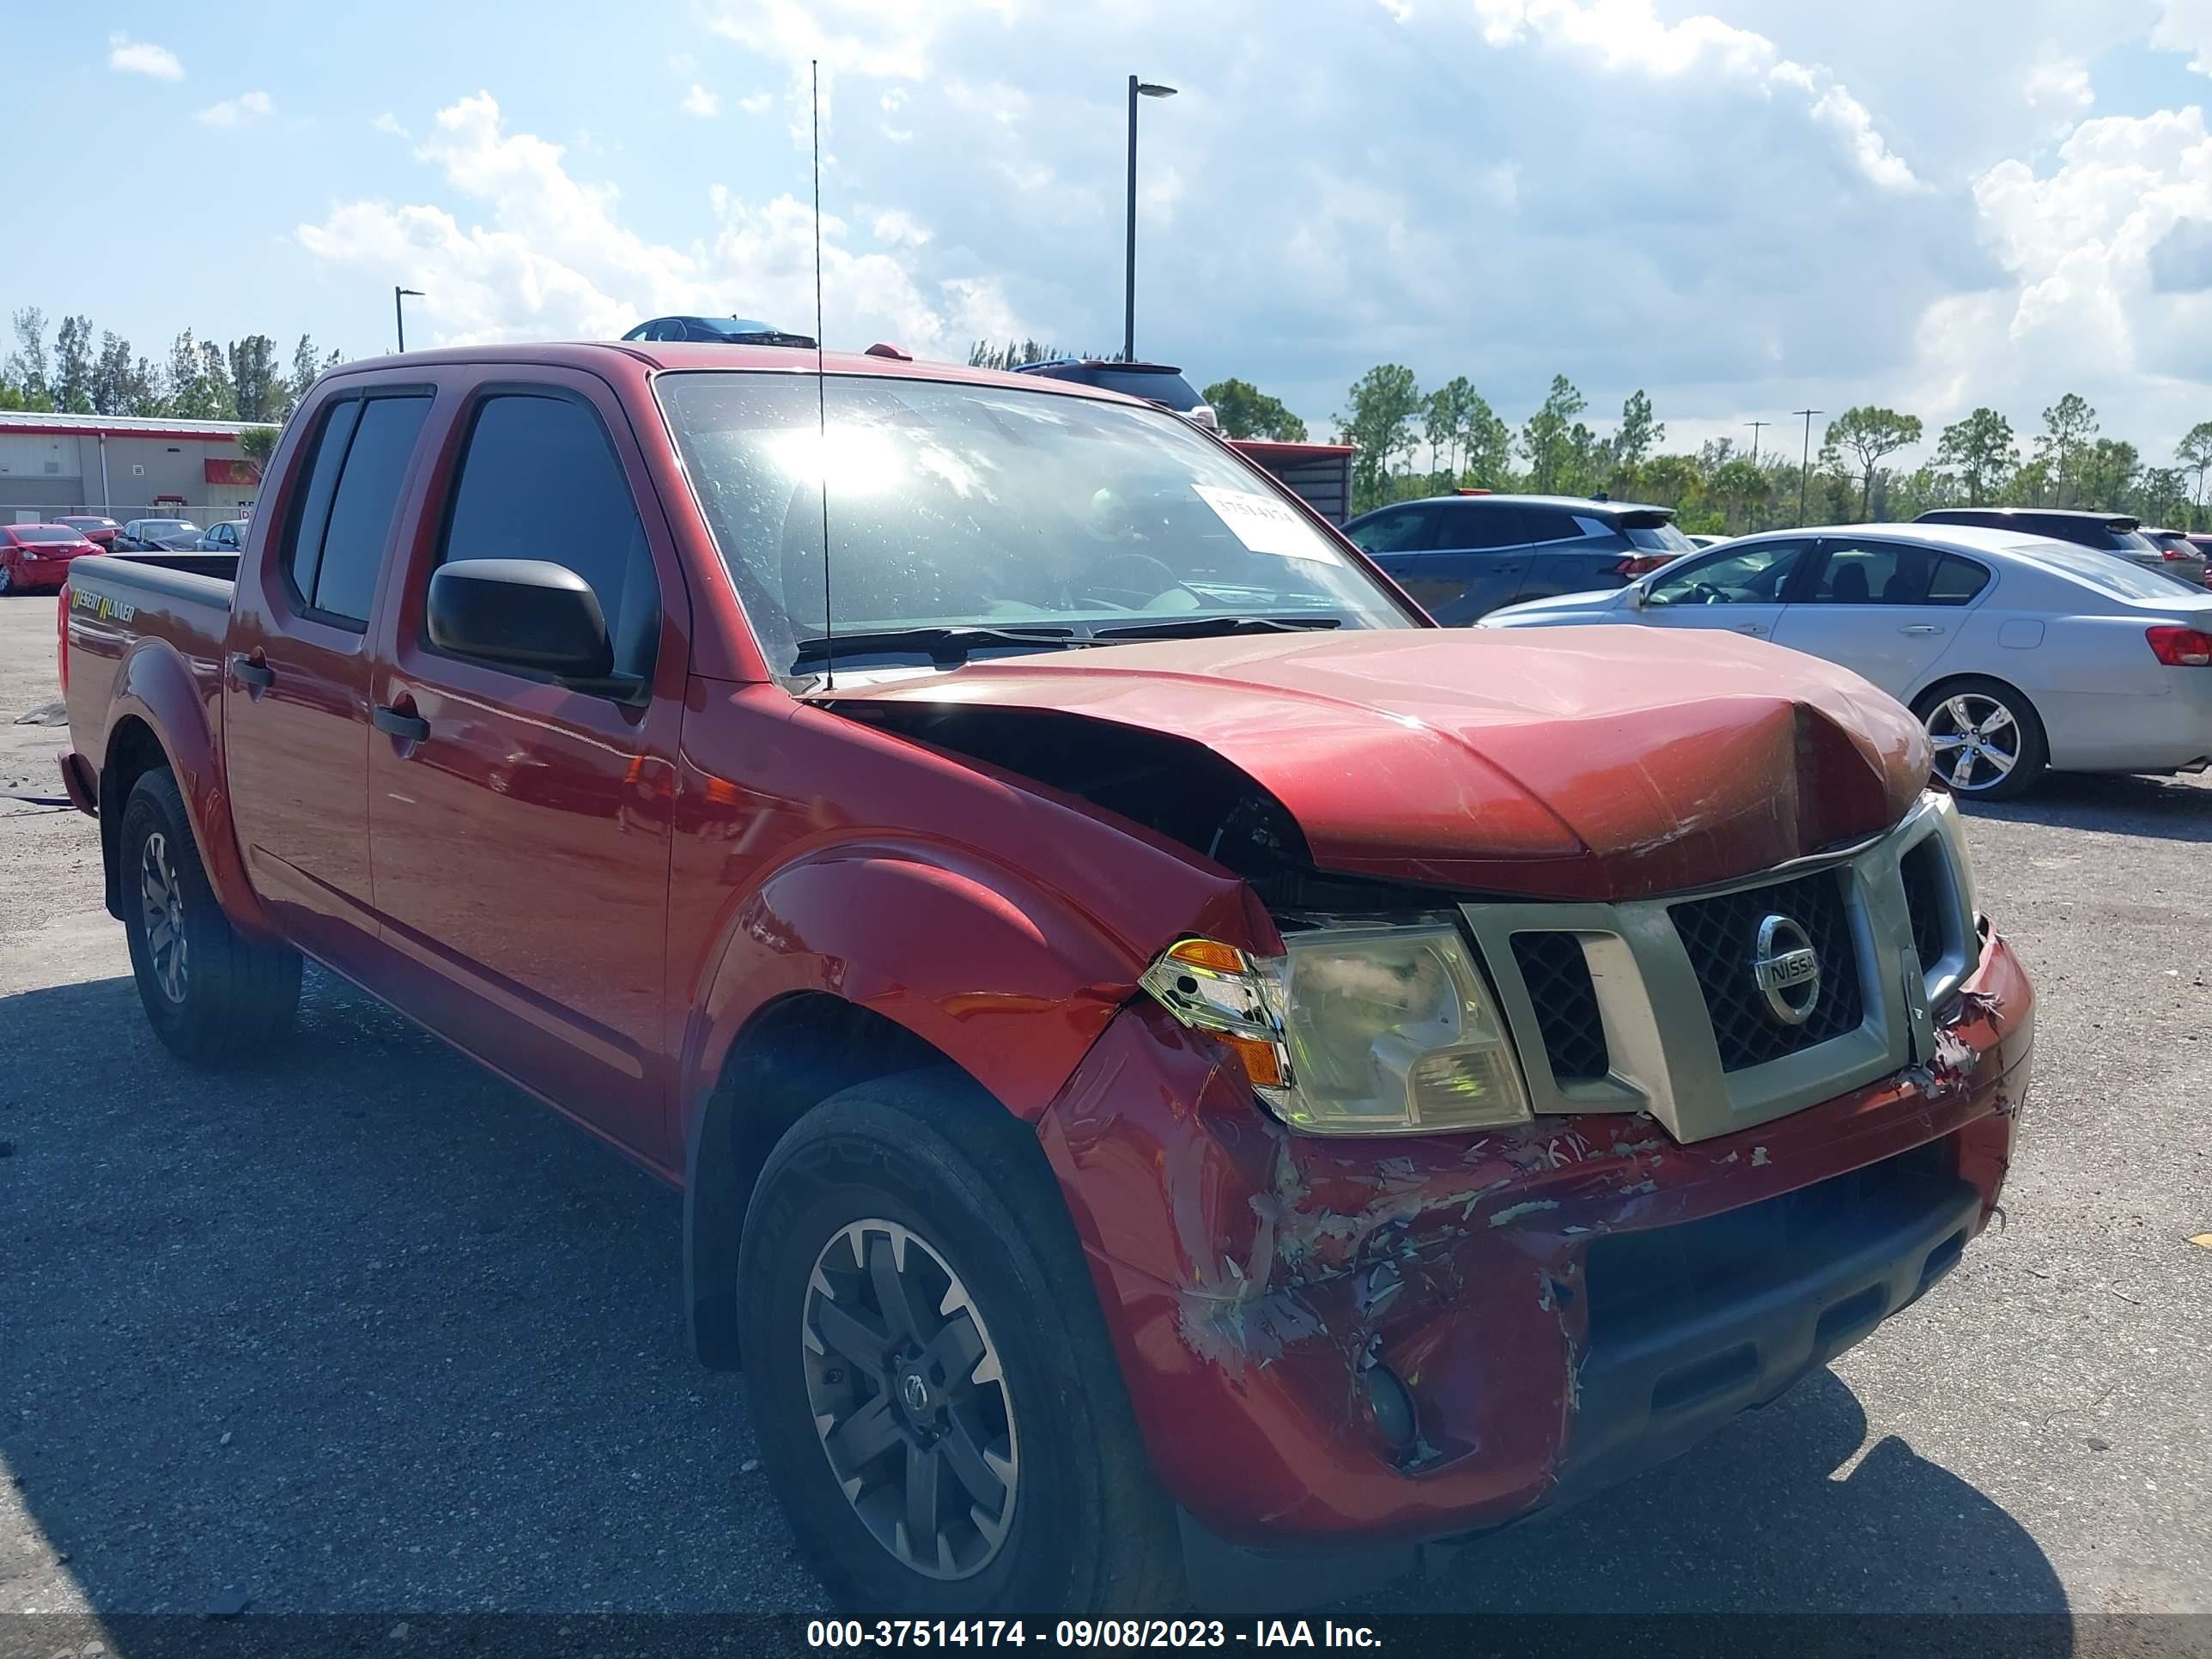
pixel 1250 1276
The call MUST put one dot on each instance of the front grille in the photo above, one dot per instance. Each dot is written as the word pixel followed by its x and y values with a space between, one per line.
pixel 1557 976
pixel 1721 935
pixel 1923 870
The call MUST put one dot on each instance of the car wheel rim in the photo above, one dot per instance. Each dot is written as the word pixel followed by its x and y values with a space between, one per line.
pixel 1977 740
pixel 162 910
pixel 909 1400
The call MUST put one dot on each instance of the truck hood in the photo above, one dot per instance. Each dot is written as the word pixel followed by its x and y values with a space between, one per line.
pixel 1590 764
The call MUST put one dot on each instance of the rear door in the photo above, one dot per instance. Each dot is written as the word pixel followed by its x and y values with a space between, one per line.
pixel 1743 587
pixel 296 678
pixel 1469 561
pixel 1884 608
pixel 520 828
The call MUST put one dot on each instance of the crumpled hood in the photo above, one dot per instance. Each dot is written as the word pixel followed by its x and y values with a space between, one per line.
pixel 1572 762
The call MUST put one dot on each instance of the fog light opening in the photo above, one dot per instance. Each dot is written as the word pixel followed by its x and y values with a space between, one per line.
pixel 1393 1407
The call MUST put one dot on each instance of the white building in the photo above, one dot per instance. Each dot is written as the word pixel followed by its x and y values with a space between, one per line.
pixel 127 466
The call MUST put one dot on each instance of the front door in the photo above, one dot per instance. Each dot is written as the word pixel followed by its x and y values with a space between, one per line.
pixel 1740 588
pixel 296 680
pixel 520 828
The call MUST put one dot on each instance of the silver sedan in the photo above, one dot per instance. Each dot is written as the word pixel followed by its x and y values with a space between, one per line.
pixel 2017 653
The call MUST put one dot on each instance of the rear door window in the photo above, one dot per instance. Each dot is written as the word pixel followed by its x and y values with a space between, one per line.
pixel 1393 530
pixel 1957 580
pixel 340 533
pixel 503 508
pixel 1540 525
pixel 1475 527
pixel 366 501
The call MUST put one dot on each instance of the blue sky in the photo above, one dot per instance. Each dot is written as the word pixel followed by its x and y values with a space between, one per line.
pixel 1742 206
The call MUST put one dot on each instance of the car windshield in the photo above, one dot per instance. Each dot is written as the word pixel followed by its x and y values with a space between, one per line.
pixel 169 527
pixel 1045 519
pixel 1660 539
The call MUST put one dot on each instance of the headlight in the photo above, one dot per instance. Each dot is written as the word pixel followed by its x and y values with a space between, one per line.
pixel 1355 1030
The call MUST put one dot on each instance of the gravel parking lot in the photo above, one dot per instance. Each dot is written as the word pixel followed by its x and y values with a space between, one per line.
pixel 366 1331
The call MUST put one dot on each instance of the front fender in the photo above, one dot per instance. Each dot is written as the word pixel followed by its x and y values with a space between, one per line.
pixel 181 706
pixel 1006 980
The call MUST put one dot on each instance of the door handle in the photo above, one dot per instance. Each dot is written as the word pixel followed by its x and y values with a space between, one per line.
pixel 1750 627
pixel 1921 628
pixel 259 675
pixel 401 721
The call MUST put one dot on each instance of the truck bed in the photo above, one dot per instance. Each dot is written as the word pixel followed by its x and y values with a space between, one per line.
pixel 161 614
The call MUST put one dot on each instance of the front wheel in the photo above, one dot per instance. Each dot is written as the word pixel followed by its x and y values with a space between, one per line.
pixel 937 1401
pixel 7 580
pixel 211 994
pixel 1988 743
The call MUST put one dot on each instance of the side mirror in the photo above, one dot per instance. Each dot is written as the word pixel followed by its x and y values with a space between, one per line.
pixel 527 613
pixel 1633 596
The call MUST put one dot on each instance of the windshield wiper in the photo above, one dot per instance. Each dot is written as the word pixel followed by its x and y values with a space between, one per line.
pixel 1201 627
pixel 940 645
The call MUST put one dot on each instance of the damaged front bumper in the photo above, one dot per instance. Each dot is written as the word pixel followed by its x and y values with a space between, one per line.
pixel 1563 1303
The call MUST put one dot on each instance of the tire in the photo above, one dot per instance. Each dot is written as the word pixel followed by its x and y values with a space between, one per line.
pixel 213 995
pixel 7 580
pixel 925 1169
pixel 2006 754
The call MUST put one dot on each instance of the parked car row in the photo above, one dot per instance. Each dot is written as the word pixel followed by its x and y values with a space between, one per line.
pixel 2017 652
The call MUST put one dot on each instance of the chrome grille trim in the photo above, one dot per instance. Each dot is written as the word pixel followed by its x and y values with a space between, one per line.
pixel 1659 1041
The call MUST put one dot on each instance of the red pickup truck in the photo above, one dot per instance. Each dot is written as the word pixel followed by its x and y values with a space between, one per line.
pixel 1186 1079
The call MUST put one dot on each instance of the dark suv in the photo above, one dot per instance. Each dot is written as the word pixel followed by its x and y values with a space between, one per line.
pixel 1460 556
pixel 2109 533
pixel 1158 383
pixel 719 331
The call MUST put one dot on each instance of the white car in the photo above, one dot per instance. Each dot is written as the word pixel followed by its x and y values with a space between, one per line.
pixel 2017 653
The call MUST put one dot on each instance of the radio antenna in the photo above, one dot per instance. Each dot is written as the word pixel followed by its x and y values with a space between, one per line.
pixel 821 403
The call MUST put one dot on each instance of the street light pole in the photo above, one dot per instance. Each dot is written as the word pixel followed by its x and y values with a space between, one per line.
pixel 1805 464
pixel 400 317
pixel 1147 89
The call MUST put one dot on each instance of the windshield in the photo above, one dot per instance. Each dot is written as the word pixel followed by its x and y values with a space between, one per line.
pixel 975 506
pixel 2115 576
pixel 1172 390
pixel 168 527
pixel 1660 539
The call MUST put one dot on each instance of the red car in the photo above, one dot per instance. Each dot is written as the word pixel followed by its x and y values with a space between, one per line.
pixel 1184 1076
pixel 95 528
pixel 37 555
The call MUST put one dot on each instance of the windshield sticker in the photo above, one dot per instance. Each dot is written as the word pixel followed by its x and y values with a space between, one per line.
pixel 1264 524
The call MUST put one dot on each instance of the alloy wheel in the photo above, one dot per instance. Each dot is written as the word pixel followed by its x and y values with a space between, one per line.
pixel 909 1400
pixel 162 910
pixel 1977 740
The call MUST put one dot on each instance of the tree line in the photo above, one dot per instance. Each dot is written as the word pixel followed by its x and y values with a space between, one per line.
pixel 197 379
pixel 1415 443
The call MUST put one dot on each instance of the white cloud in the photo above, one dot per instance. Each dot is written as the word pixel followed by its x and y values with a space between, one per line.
pixel 1628 36
pixel 2186 26
pixel 237 111
pixel 756 103
pixel 701 102
pixel 2059 86
pixel 143 58
pixel 387 122
pixel 553 256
